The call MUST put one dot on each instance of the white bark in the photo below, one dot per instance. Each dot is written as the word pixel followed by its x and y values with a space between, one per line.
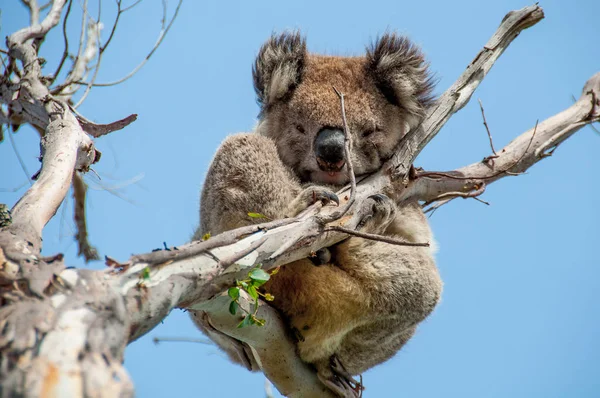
pixel 63 331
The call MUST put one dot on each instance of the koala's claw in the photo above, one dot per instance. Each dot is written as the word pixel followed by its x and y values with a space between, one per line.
pixel 338 380
pixel 312 195
pixel 325 196
pixel 376 213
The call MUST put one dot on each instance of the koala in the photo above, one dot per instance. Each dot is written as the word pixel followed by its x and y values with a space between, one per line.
pixel 358 302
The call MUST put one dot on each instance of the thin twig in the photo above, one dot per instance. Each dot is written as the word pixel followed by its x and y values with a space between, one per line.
pixel 451 195
pixel 157 340
pixel 131 6
pixel 505 171
pixel 489 134
pixel 91 49
pixel 375 237
pixel 161 36
pixel 347 146
pixel 479 187
pixel 114 27
pixel 66 41
pixel 81 38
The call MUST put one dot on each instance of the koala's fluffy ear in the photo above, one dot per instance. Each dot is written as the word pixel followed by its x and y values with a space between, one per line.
pixel 400 72
pixel 278 67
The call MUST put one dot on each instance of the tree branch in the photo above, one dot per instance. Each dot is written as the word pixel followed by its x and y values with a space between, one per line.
pixel 457 96
pixel 519 155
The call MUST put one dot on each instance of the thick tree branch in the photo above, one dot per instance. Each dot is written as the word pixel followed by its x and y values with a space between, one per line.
pixel 518 156
pixel 457 96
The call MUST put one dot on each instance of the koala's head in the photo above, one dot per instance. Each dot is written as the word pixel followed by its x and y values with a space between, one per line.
pixel 385 92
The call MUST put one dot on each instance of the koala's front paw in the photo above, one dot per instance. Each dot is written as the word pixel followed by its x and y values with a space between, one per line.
pixel 309 196
pixel 376 213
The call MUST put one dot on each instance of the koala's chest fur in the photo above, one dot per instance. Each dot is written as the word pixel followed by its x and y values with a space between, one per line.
pixel 363 302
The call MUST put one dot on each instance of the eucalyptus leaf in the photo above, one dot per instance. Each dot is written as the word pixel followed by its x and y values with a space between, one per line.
pixel 234 293
pixel 233 306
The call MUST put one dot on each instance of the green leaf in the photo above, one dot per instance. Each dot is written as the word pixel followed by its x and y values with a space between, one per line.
pixel 256 215
pixel 259 321
pixel 233 306
pixel 246 322
pixel 252 292
pixel 206 236
pixel 259 276
pixel 234 293
pixel 146 273
pixel 243 284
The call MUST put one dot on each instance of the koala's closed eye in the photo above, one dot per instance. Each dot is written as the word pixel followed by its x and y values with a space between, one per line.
pixel 369 131
pixel 300 129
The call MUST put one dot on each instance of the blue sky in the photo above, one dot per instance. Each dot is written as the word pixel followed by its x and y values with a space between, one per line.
pixel 519 315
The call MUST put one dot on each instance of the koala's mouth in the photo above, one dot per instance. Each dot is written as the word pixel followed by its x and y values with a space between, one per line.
pixel 330 177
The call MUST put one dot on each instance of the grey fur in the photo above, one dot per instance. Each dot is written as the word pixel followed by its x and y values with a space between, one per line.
pixel 400 72
pixel 278 67
pixel 365 302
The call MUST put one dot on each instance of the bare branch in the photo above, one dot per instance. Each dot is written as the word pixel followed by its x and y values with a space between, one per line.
pixel 87 53
pixel 34 11
pixel 88 251
pixel 163 33
pixel 158 340
pixel 519 155
pixel 64 148
pixel 26 53
pixel 347 146
pixel 457 96
pixel 66 41
pixel 98 130
pixel 91 52
pixel 114 27
pixel 489 134
pixel 375 237
pixel 131 6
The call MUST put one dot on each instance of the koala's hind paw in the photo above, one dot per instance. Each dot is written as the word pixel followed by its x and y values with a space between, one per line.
pixel 376 213
pixel 334 375
pixel 309 196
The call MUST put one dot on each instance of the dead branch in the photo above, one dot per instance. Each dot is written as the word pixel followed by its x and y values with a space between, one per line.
pixel 98 130
pixel 161 36
pixel 88 251
pixel 519 155
pixel 66 45
pixel 489 134
pixel 379 238
pixel 457 96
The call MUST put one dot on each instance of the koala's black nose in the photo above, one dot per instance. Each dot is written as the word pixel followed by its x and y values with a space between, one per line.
pixel 329 149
